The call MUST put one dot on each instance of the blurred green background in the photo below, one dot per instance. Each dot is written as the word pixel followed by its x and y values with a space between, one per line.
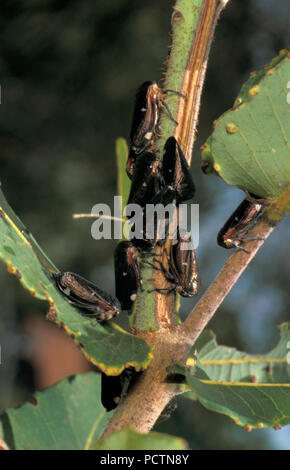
pixel 69 71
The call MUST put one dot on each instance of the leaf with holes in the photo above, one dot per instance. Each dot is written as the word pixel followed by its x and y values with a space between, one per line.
pixel 250 144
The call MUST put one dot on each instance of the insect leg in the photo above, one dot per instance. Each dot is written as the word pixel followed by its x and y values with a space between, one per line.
pixel 169 112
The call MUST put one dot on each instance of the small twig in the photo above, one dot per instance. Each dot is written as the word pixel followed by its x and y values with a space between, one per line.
pixel 98 216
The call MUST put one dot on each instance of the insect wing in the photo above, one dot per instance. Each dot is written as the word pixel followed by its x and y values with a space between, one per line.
pixel 114 388
pixel 175 171
pixel 111 391
pixel 239 223
pixel 145 116
pixel 85 295
pixel 145 121
pixel 183 266
pixel 127 274
pixel 146 180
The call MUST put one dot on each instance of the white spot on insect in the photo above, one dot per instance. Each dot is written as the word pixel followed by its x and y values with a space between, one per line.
pixel 143 110
pixel 223 3
pixel 133 297
pixel 66 291
pixel 148 135
pixel 124 274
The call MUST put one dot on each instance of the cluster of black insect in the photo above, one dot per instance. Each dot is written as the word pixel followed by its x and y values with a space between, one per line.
pixel 153 181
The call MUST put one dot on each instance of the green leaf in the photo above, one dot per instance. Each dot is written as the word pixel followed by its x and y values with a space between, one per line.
pixel 132 440
pixel 252 390
pixel 106 345
pixel 228 364
pixel 123 180
pixel 68 415
pixel 250 144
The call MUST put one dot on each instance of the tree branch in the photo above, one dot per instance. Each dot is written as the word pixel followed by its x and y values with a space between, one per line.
pixel 193 27
pixel 223 283
pixel 233 269
pixel 145 402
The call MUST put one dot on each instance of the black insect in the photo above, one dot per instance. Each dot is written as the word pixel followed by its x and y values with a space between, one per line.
pixel 169 182
pixel 146 184
pixel 182 268
pixel 111 391
pixel 145 121
pixel 146 181
pixel 176 184
pixel 127 273
pixel 87 296
pixel 151 226
pixel 146 116
pixel 235 230
pixel 175 172
pixel 114 388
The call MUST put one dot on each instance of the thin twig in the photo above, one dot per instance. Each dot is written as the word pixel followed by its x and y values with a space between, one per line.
pixel 98 216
